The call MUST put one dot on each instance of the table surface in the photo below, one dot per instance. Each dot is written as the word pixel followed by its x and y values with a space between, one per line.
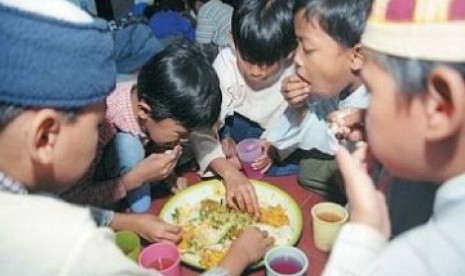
pixel 305 199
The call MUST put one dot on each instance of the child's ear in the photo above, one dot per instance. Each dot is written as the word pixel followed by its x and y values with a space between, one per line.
pixel 445 103
pixel 143 110
pixel 357 59
pixel 43 135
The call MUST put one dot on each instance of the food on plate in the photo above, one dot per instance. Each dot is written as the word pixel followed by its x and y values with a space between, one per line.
pixel 209 227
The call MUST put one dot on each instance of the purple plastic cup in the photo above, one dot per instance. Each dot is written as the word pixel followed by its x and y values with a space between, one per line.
pixel 248 151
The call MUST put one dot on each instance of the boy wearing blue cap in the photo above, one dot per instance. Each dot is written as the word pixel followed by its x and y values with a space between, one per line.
pixel 50 113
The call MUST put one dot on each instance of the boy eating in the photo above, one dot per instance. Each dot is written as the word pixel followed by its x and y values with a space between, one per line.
pixel 415 123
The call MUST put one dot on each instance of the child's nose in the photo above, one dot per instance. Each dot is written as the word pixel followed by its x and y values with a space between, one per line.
pixel 256 71
pixel 297 56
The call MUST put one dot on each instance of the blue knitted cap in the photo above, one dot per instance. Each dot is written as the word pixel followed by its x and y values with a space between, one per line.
pixel 49 61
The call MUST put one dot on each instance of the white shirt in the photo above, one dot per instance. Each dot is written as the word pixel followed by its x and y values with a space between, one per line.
pixel 311 132
pixel 44 236
pixel 261 106
pixel 435 248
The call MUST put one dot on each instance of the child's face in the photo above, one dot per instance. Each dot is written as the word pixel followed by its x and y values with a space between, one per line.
pixel 395 124
pixel 322 61
pixel 78 144
pixel 260 76
pixel 166 134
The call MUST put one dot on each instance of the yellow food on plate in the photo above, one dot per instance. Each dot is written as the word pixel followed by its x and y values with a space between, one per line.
pixel 210 258
pixel 274 215
pixel 209 228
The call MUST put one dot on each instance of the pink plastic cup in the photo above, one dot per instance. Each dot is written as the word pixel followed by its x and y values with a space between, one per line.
pixel 248 151
pixel 163 257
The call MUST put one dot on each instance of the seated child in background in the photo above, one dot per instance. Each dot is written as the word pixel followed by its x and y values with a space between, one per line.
pixel 213 30
pixel 168 21
pixel 416 77
pixel 250 77
pixel 177 92
pixel 329 61
pixel 50 113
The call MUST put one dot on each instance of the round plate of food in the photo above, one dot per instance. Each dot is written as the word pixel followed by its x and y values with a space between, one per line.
pixel 209 226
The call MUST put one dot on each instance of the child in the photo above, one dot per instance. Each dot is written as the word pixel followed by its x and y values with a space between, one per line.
pixel 250 76
pixel 329 60
pixel 415 127
pixel 177 92
pixel 49 118
pixel 214 23
pixel 168 22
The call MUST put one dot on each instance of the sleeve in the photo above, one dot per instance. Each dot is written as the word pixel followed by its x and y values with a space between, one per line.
pixel 206 149
pixel 360 98
pixel 101 217
pixel 95 253
pixel 206 144
pixel 305 132
pixel 356 247
pixel 205 29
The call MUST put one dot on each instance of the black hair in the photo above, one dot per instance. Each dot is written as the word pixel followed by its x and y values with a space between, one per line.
pixel 179 83
pixel 8 113
pixel 164 5
pixel 263 30
pixel 343 20
pixel 411 75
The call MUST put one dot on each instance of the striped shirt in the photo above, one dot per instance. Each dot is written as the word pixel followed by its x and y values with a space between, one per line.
pixel 10 185
pixel 214 23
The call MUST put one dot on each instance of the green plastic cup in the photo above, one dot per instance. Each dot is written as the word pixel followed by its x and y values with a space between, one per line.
pixel 129 243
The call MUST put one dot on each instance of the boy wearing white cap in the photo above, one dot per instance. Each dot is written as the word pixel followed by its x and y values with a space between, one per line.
pixel 415 123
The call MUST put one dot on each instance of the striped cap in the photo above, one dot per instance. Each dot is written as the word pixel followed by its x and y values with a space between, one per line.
pixel 422 29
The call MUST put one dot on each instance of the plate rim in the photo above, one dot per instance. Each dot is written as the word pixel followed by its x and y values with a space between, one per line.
pixel 294 206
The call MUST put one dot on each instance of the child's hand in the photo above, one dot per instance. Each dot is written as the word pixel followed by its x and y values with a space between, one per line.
pixel 247 249
pixel 155 167
pixel 367 205
pixel 264 162
pixel 348 124
pixel 148 226
pixel 295 90
pixel 240 193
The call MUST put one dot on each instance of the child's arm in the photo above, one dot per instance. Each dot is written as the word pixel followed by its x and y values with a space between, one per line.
pixel 106 192
pixel 361 240
pixel 247 249
pixel 148 226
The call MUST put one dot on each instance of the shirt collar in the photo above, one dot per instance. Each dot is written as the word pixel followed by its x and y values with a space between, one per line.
pixel 10 185
pixel 450 195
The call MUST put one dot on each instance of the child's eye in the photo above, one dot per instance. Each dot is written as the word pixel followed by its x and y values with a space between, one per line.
pixel 308 51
